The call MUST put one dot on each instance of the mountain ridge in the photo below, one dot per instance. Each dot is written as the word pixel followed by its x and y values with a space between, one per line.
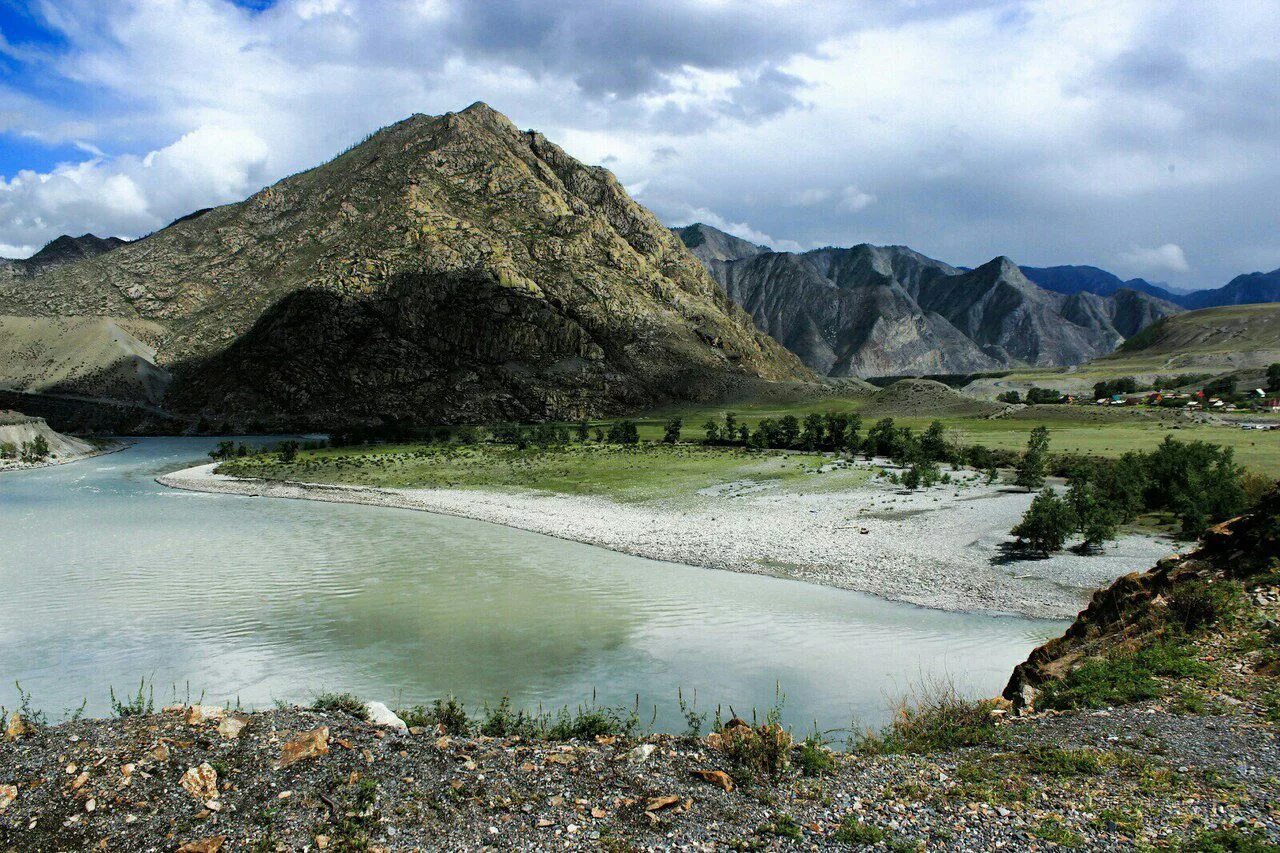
pixel 490 273
pixel 889 310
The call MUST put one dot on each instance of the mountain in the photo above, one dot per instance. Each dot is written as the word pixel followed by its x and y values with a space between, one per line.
pixel 711 244
pixel 1242 290
pixel 889 310
pixel 449 268
pixel 62 250
pixel 1075 279
pixel 1211 340
pixel 1245 289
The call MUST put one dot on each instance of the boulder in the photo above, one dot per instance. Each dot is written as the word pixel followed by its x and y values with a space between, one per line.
pixel 307 745
pixel 201 782
pixel 380 715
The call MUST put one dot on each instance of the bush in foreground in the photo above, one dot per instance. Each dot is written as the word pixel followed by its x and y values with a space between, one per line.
pixel 933 719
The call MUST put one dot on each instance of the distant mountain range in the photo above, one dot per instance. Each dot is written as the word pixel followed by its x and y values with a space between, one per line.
pixel 1241 290
pixel 889 310
pixel 450 268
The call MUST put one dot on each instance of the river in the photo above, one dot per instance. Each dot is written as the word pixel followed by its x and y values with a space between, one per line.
pixel 107 578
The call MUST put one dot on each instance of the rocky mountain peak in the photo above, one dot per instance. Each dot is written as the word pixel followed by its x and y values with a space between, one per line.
pixel 448 268
pixel 889 310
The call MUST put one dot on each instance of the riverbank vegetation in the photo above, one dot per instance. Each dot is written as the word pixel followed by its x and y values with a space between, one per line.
pixel 1196 483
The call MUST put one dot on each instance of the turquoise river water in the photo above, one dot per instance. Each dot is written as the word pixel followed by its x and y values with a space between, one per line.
pixel 107 577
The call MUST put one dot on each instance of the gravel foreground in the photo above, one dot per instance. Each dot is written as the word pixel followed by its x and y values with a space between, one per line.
pixel 939 548
pixel 202 779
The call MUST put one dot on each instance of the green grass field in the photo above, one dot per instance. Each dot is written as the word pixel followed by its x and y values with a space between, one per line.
pixel 622 473
pixel 656 471
pixel 1074 429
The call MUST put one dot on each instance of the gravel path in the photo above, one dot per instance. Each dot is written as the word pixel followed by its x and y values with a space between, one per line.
pixel 938 548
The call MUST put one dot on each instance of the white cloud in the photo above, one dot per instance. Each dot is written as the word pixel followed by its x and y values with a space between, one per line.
pixel 809 197
pixel 1168 258
pixel 853 199
pixel 737 229
pixel 1019 127
pixel 131 195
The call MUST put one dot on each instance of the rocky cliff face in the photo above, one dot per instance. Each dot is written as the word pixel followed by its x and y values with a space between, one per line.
pixel 448 268
pixel 873 310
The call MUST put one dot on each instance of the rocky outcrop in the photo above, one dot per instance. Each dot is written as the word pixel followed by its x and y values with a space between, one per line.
pixel 1133 608
pixel 448 268
pixel 889 310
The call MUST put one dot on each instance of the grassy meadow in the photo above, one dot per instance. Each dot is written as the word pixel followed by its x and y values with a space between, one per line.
pixel 1072 429
pixel 627 474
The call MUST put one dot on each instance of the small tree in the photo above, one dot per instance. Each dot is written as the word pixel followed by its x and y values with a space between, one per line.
pixel 624 432
pixel 1096 521
pixel 744 433
pixel 933 444
pixel 730 426
pixel 788 431
pixel 713 430
pixel 911 478
pixel 1273 377
pixel 814 427
pixel 35 450
pixel 853 428
pixel 881 438
pixel 1044 396
pixel 1034 462
pixel 225 450
pixel 671 433
pixel 922 474
pixel 288 451
pixel 1010 397
pixel 1046 525
pixel 583 431
pixel 837 426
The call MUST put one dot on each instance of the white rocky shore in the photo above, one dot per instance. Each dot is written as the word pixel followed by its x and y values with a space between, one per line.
pixel 938 548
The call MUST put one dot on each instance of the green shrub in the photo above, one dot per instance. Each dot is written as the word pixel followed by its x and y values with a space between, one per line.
pixel 1053 830
pixel 1122 678
pixel 782 826
pixel 1055 761
pixel 933 719
pixel 592 721
pixel 814 759
pixel 138 705
pixel 1200 604
pixel 447 713
pixel 1230 841
pixel 345 703
pixel 501 721
pixel 854 831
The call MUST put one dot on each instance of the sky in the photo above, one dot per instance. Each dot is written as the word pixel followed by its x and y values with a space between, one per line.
pixel 1141 136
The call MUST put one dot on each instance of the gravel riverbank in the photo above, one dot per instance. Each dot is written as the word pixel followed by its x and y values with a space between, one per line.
pixel 939 548
pixel 205 780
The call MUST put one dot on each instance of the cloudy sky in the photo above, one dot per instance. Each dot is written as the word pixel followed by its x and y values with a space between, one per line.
pixel 1142 136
